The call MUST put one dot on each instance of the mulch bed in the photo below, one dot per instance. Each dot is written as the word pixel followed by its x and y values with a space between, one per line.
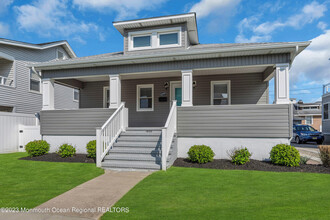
pixel 53 157
pixel 252 165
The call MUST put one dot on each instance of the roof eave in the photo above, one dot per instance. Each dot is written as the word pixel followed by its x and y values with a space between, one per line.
pixel 135 59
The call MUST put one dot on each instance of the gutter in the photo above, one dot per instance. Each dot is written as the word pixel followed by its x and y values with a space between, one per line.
pixel 177 54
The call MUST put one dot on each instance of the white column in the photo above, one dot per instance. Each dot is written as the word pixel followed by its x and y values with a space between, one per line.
pixel 115 91
pixel 48 94
pixel 282 92
pixel 187 87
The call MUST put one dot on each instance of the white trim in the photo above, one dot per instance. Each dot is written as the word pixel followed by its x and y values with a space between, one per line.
pixel 328 103
pixel 228 83
pixel 105 89
pixel 6 56
pixel 76 100
pixel 172 93
pixel 40 84
pixel 154 38
pixel 138 87
pixel 311 120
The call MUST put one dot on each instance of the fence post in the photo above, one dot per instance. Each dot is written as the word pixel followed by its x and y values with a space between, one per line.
pixel 98 148
pixel 164 149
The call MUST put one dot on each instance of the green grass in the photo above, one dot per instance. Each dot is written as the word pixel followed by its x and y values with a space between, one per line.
pixel 30 183
pixel 192 193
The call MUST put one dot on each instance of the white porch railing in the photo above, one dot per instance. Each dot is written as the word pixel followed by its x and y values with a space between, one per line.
pixel 168 133
pixel 5 81
pixel 109 132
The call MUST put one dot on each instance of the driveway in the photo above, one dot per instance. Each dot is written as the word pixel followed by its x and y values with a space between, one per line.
pixel 310 149
pixel 307 145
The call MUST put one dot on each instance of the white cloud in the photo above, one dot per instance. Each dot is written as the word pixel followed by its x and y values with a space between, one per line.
pixel 51 17
pixel 4 29
pixel 207 7
pixel 313 63
pixel 299 92
pixel 308 14
pixel 123 8
pixel 4 4
pixel 322 25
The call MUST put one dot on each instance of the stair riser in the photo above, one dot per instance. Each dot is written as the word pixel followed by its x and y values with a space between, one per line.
pixel 138 139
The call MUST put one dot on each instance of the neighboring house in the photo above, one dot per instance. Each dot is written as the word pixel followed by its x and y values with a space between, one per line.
pixel 326 113
pixel 20 85
pixel 308 114
pixel 166 92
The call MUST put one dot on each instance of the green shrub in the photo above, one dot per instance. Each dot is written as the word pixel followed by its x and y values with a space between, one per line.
pixel 67 150
pixel 240 156
pixel 325 155
pixel 304 160
pixel 200 154
pixel 283 154
pixel 37 148
pixel 91 149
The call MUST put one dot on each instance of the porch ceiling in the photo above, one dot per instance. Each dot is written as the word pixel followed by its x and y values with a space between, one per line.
pixel 198 72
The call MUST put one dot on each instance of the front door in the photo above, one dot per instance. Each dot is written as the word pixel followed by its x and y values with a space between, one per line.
pixel 176 92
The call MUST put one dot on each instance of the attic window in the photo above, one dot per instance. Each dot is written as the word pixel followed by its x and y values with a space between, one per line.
pixel 60 55
pixel 142 41
pixel 153 39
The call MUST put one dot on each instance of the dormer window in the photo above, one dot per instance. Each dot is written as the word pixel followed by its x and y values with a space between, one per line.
pixel 153 39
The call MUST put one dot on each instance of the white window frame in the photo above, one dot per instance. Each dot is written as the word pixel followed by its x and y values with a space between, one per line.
pixel 105 88
pixel 138 87
pixel 40 84
pixel 311 119
pixel 154 34
pixel 327 103
pixel 59 51
pixel 76 100
pixel 228 83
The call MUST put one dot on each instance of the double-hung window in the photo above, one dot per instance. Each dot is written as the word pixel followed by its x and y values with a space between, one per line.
pixel 326 111
pixel 309 120
pixel 220 93
pixel 35 82
pixel 145 97
pixel 76 95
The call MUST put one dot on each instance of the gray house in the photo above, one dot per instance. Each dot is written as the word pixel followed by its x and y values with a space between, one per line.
pixel 166 92
pixel 20 85
pixel 326 113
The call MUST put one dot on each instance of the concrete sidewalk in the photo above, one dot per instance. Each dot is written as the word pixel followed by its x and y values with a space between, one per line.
pixel 87 200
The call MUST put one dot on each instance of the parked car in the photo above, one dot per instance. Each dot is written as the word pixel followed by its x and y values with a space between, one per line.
pixel 304 133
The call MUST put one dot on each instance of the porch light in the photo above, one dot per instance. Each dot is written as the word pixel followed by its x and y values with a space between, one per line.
pixel 194 84
pixel 166 85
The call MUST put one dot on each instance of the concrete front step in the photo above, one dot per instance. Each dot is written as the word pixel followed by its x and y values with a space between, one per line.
pixel 137 144
pixel 117 164
pixel 139 138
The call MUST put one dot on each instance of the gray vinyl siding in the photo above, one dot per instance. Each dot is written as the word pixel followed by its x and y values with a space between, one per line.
pixel 73 122
pixel 326 123
pixel 170 66
pixel 64 98
pixel 251 121
pixel 245 89
pixel 19 96
pixel 184 43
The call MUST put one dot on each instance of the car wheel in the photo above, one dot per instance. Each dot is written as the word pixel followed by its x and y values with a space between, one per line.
pixel 298 140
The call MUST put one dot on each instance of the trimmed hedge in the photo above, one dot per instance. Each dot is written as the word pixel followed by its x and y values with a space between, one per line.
pixel 283 154
pixel 200 154
pixel 240 156
pixel 91 149
pixel 37 148
pixel 66 150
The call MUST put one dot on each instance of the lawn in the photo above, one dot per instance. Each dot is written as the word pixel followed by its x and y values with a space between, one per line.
pixel 195 193
pixel 31 183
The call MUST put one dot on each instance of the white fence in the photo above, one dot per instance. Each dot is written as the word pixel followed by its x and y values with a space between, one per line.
pixel 27 134
pixel 9 130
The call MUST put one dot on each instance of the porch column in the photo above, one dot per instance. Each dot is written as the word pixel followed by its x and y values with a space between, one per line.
pixel 187 88
pixel 282 92
pixel 115 91
pixel 48 94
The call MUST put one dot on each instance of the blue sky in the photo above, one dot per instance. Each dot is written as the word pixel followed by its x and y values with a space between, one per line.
pixel 87 25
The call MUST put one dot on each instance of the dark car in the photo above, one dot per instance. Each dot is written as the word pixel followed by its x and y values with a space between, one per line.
pixel 304 133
